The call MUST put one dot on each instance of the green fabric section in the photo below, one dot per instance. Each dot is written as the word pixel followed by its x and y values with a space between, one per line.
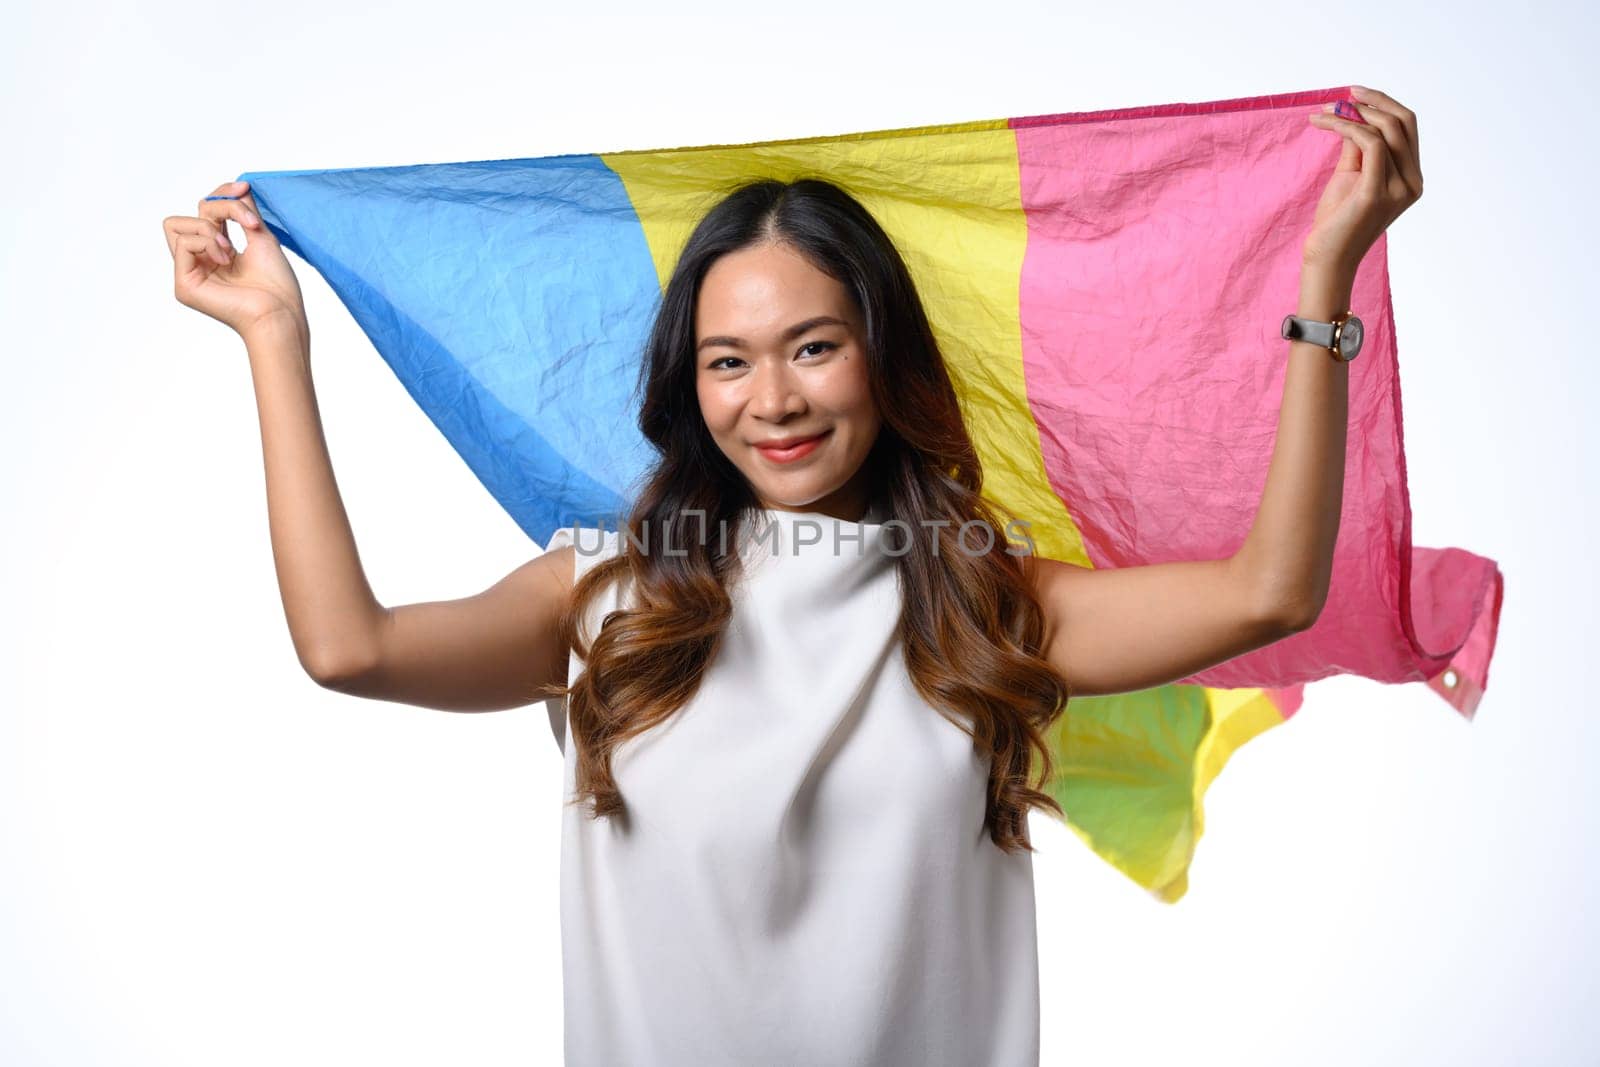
pixel 1124 769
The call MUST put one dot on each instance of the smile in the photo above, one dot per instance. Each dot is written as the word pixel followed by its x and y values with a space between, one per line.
pixel 795 451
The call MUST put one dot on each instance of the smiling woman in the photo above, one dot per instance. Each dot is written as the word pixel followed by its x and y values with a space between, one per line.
pixel 815 764
pixel 797 391
pixel 799 782
pixel 763 340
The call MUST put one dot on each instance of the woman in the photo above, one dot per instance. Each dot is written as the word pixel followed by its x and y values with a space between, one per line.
pixel 807 749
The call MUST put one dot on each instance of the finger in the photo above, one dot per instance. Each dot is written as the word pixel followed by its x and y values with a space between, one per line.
pixel 1375 163
pixel 1350 153
pixel 194 247
pixel 230 206
pixel 1399 141
pixel 183 252
pixel 228 191
pixel 214 248
pixel 1350 156
pixel 216 215
pixel 206 230
pixel 261 229
pixel 210 229
pixel 251 220
pixel 1407 117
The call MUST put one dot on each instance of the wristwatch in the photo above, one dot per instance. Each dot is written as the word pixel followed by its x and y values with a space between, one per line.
pixel 1342 336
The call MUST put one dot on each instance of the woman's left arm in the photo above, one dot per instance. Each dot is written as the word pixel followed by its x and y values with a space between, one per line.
pixel 1127 628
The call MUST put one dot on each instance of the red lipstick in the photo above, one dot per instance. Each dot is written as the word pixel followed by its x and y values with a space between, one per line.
pixel 789 449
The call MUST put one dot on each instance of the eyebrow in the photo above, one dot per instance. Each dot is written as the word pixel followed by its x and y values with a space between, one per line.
pixel 788 335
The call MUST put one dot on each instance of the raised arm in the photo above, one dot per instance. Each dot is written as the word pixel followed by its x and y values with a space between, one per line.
pixel 478 653
pixel 1122 629
pixel 493 650
pixel 1114 630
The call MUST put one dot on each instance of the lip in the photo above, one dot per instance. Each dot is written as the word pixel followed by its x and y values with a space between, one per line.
pixel 789 449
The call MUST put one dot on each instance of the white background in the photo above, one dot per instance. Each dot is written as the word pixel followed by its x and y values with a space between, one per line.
pixel 206 859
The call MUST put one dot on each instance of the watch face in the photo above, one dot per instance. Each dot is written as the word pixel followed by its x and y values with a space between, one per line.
pixel 1350 338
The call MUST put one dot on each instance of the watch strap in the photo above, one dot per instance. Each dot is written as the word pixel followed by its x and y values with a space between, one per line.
pixel 1318 333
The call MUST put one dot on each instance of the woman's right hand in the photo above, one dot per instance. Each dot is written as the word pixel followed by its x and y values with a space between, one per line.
pixel 242 290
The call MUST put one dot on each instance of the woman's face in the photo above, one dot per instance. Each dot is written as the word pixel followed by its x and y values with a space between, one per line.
pixel 761 380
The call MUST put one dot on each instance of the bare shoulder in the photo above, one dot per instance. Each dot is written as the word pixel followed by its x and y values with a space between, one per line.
pixel 542 585
pixel 1045 569
pixel 1050 576
pixel 1051 579
pixel 554 570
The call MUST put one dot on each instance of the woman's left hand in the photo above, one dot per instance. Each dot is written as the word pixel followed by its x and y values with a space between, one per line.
pixel 1378 176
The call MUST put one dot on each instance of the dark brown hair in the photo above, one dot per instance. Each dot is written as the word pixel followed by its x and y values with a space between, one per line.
pixel 971 626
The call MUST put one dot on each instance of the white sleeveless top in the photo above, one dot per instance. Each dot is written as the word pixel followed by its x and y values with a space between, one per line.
pixel 805 877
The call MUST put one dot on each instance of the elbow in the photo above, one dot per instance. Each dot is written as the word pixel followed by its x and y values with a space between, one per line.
pixel 1294 614
pixel 342 657
pixel 1285 606
pixel 336 668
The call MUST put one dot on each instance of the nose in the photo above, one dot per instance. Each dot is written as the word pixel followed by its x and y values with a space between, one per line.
pixel 775 393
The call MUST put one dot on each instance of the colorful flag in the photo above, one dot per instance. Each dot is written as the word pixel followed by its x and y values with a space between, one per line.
pixel 1107 288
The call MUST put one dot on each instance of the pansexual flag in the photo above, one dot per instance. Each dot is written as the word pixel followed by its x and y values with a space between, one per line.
pixel 1107 287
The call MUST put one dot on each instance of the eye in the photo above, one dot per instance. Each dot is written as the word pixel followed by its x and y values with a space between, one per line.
pixel 826 346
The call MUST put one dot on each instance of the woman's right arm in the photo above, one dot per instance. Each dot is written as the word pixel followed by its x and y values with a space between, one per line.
pixel 479 653
pixel 484 652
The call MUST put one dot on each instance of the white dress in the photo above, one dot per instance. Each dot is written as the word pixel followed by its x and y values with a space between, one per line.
pixel 805 878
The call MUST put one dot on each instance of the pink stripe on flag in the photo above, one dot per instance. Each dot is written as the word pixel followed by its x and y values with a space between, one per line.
pixel 1163 253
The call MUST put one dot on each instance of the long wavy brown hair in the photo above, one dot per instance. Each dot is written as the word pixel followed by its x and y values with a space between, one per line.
pixel 972 628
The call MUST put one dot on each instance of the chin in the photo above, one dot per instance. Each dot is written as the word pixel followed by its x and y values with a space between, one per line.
pixel 789 498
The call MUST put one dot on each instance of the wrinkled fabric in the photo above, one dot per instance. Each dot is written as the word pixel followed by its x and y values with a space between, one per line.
pixel 1107 288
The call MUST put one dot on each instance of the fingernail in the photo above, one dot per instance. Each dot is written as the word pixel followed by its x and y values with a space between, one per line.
pixel 250 218
pixel 223 241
